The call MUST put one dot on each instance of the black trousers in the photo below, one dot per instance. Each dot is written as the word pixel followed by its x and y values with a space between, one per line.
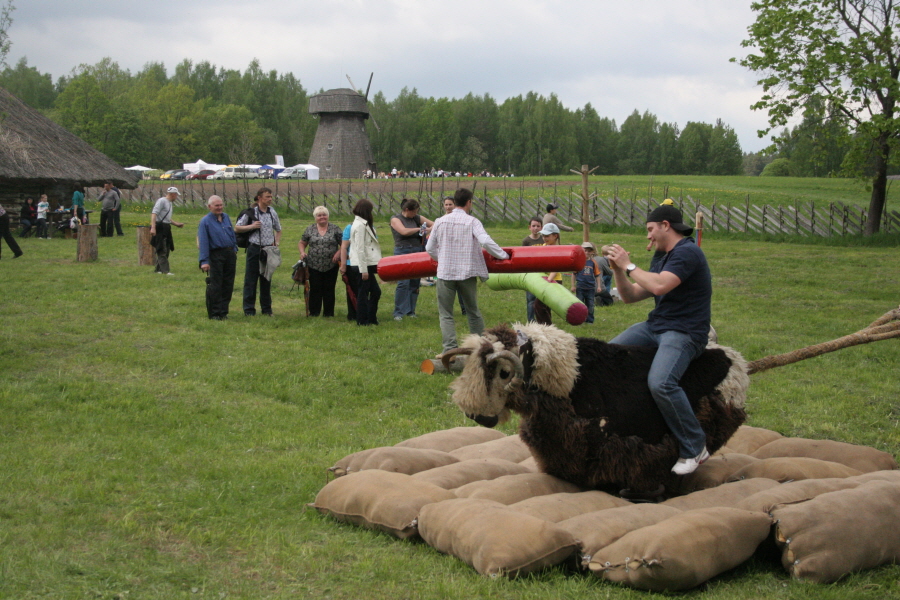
pixel 117 220
pixel 353 283
pixel 255 256
pixel 220 284
pixel 321 291
pixel 6 235
pixel 106 223
pixel 367 297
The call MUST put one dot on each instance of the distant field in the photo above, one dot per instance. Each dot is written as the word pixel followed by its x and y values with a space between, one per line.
pixel 731 191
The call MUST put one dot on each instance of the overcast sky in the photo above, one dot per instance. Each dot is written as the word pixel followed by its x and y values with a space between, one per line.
pixel 670 57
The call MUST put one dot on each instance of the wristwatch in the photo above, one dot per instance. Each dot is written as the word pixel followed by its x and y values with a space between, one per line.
pixel 631 267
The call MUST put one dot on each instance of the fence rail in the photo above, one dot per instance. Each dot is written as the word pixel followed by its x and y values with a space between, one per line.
pixel 510 203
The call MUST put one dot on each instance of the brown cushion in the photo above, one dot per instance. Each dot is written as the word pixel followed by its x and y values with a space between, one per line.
pixel 389 502
pixel 392 458
pixel 601 528
pixel 510 489
pixel 794 492
pixel 715 471
pixel 467 471
pixel 878 476
pixel 840 532
pixel 562 506
pixel 451 439
pixel 509 448
pixel 793 469
pixel 531 464
pixel 727 494
pixel 746 440
pixel 492 538
pixel 683 551
pixel 861 458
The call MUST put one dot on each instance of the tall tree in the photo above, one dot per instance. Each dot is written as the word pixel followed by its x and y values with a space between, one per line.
pixel 29 85
pixel 845 51
pixel 725 156
pixel 5 22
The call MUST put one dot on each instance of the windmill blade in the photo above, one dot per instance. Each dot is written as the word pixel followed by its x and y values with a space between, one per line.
pixel 375 123
pixel 352 85
pixel 372 74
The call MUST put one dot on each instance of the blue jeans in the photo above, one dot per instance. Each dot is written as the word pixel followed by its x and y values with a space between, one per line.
pixel 529 305
pixel 407 293
pixel 674 352
pixel 586 295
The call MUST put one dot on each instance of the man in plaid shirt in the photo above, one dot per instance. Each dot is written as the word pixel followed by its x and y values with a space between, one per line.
pixel 455 243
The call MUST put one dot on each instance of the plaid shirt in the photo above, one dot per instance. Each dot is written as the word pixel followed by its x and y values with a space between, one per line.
pixel 455 243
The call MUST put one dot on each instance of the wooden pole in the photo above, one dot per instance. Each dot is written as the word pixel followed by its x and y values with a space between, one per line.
pixel 146 252
pixel 87 243
pixel 585 201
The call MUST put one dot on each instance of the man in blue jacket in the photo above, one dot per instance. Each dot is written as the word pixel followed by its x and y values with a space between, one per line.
pixel 218 258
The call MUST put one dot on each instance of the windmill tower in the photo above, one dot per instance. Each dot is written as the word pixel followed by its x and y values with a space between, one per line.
pixel 341 147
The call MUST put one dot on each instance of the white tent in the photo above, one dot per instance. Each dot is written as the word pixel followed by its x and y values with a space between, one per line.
pixel 139 168
pixel 200 165
pixel 312 171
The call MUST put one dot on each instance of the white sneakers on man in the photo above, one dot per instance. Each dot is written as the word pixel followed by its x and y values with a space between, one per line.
pixel 686 466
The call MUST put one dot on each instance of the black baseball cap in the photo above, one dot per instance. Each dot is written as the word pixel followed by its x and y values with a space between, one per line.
pixel 672 215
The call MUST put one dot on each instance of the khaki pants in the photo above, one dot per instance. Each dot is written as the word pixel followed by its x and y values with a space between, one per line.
pixel 446 294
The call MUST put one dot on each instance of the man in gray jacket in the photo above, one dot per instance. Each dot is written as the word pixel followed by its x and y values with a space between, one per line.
pixel 109 203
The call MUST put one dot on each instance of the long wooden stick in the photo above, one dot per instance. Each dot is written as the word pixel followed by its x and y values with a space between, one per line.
pixel 885 327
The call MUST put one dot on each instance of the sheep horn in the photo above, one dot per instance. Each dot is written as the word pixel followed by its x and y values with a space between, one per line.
pixel 449 354
pixel 511 357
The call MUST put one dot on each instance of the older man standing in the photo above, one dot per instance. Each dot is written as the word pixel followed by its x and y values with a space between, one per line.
pixel 109 202
pixel 456 241
pixel 218 258
pixel 161 229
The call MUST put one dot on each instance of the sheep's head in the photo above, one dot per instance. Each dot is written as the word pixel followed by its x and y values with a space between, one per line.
pixel 493 375
pixel 501 362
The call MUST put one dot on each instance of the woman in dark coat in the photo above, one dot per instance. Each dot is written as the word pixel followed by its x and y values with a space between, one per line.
pixel 27 216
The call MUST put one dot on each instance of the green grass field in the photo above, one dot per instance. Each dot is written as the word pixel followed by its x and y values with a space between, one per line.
pixel 147 452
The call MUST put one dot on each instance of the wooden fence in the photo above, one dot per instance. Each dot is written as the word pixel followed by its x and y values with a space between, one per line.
pixel 512 203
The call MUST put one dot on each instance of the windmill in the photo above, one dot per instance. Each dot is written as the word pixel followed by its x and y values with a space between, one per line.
pixel 341 147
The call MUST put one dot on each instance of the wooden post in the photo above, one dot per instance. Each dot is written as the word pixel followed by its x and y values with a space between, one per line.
pixel 87 243
pixel 585 201
pixel 146 252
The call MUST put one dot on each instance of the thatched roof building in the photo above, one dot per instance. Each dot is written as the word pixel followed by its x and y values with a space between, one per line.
pixel 37 156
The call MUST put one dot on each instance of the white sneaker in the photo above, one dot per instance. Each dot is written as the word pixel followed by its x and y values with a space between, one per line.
pixel 170 273
pixel 686 466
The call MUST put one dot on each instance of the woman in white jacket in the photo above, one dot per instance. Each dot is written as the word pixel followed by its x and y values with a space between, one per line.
pixel 365 254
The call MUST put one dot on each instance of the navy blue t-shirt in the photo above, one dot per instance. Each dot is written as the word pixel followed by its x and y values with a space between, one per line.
pixel 686 308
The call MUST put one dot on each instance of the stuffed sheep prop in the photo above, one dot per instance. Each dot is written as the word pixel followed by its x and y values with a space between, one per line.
pixel 586 410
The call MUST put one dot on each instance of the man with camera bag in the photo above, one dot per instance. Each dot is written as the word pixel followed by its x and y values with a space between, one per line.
pixel 161 229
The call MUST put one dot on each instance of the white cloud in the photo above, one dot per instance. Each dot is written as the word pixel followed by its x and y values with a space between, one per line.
pixel 668 57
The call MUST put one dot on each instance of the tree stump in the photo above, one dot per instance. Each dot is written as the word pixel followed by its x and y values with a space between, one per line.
pixel 146 252
pixel 87 243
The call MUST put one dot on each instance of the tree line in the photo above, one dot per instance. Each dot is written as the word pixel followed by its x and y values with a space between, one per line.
pixel 228 116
